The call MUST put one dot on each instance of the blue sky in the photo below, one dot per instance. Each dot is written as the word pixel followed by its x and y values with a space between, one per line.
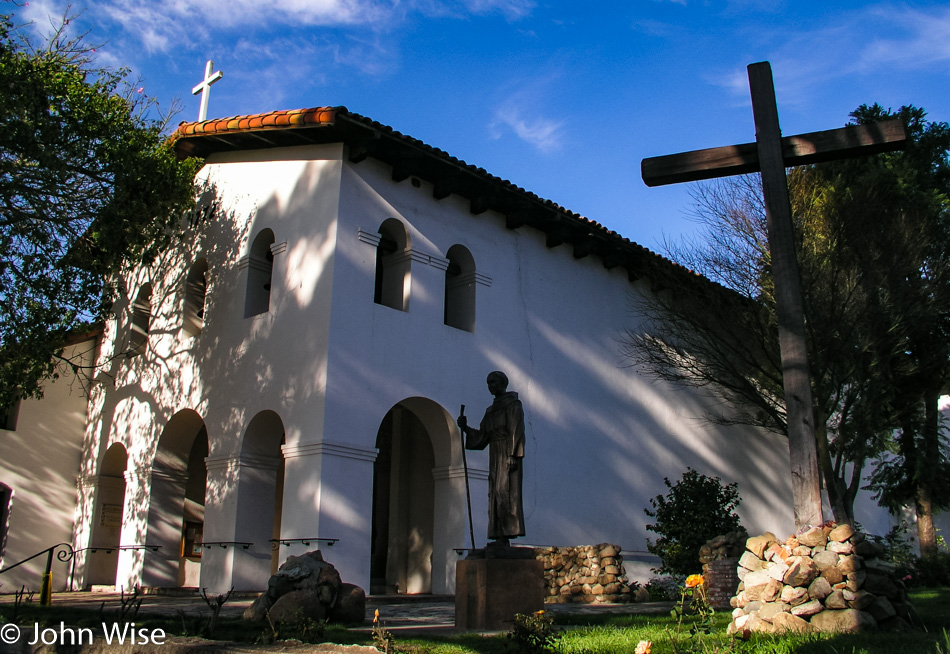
pixel 561 98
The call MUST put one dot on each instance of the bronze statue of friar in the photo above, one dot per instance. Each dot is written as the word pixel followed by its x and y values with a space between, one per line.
pixel 502 431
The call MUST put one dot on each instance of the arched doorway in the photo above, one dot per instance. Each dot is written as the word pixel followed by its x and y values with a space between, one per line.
pixel 103 559
pixel 418 502
pixel 176 503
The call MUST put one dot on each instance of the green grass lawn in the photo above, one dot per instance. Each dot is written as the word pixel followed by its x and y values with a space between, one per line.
pixel 579 634
pixel 620 635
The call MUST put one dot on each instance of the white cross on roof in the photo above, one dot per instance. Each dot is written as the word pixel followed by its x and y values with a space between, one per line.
pixel 204 88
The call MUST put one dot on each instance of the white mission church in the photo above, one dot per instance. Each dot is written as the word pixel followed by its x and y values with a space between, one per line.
pixel 289 377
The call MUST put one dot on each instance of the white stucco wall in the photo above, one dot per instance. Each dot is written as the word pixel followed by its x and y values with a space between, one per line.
pixel 39 462
pixel 600 436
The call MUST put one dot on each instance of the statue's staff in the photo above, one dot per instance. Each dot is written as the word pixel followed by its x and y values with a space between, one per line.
pixel 468 494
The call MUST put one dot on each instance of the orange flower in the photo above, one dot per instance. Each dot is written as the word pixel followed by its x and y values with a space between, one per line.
pixel 694 580
pixel 376 617
pixel 643 647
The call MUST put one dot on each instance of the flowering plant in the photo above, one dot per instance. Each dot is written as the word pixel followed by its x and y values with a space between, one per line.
pixel 643 647
pixel 535 634
pixel 382 639
pixel 692 608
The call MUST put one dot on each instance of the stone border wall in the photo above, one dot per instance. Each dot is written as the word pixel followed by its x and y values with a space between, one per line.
pixel 826 579
pixel 584 574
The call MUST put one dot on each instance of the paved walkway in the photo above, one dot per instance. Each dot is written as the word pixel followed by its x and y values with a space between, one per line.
pixel 399 613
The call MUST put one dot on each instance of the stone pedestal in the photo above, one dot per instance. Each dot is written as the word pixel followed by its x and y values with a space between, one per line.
pixel 489 592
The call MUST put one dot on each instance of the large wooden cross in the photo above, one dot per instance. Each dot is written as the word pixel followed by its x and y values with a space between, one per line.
pixel 771 155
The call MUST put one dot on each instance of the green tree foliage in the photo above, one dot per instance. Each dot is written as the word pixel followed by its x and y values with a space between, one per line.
pixel 88 184
pixel 896 214
pixel 696 509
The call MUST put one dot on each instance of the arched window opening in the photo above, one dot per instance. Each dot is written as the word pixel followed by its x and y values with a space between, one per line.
pixel 196 287
pixel 259 272
pixel 392 266
pixel 460 289
pixel 141 319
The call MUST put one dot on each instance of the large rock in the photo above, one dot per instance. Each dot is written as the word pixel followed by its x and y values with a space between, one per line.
pixel 773 590
pixel 856 580
pixel 833 575
pixel 794 595
pixel 826 559
pixel 350 607
pixel 819 589
pixel 297 606
pixel 258 608
pixel 785 622
pixel 770 610
pixel 814 537
pixel 757 578
pixel 841 533
pixel 801 571
pixel 311 573
pixel 849 564
pixel 844 621
pixel 860 600
pixel 840 548
pixel 307 587
pixel 807 609
pixel 758 544
pixel 751 562
pixel 869 549
pixel 836 600
pixel 881 609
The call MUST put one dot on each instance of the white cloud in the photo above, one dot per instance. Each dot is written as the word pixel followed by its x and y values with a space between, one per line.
pixel 510 9
pixel 925 39
pixel 876 41
pixel 545 134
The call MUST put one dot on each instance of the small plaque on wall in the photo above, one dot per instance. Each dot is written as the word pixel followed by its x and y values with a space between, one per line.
pixel 110 516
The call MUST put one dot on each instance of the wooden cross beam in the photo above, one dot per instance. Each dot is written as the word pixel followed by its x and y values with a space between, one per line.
pixel 801 150
pixel 771 155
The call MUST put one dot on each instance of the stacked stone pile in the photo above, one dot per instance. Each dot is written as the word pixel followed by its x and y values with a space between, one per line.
pixel 826 579
pixel 726 546
pixel 588 574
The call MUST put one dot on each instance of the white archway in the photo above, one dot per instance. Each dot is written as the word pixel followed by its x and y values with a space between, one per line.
pixel 103 559
pixel 419 512
pixel 178 480
pixel 260 487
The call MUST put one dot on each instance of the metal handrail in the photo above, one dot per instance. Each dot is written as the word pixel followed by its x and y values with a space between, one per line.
pixel 63 555
pixel 277 542
pixel 108 549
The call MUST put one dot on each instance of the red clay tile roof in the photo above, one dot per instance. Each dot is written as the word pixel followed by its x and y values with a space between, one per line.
pixel 410 157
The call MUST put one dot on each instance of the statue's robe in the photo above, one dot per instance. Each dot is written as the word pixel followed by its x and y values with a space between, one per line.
pixel 502 431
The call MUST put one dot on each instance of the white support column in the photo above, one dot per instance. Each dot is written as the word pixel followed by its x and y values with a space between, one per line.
pixel 221 500
pixel 257 482
pixel 328 493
